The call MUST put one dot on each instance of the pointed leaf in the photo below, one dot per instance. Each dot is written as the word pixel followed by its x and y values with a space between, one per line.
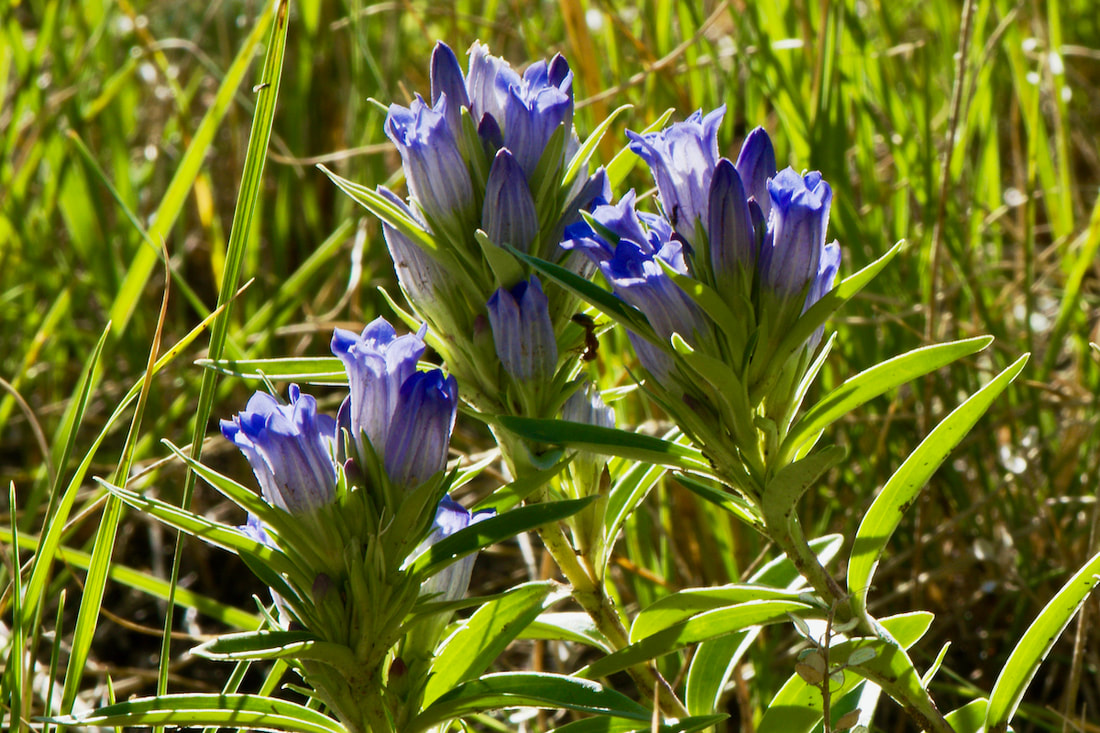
pixel 529 689
pixel 276 644
pixel 1036 643
pixel 492 530
pixel 230 711
pixel 886 512
pixel 609 441
pixel 873 382
pixel 472 648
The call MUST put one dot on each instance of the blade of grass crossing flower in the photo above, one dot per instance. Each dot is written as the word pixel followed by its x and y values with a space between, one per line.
pixel 322 370
pixel 584 154
pixel 247 199
pixel 470 650
pixel 231 711
pixel 896 496
pixel 492 530
pixel 871 383
pixel 1036 643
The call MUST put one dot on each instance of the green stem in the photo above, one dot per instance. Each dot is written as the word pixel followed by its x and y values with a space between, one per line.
pixel 792 541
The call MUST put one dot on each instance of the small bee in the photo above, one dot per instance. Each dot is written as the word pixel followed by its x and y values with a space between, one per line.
pixel 591 343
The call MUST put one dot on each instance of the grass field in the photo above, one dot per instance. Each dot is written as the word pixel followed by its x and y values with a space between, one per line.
pixel 969 130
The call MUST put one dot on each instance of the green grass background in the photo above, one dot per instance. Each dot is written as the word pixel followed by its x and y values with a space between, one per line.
pixel 968 129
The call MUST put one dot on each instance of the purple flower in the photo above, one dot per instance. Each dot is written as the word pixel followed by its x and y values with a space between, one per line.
pixel 378 363
pixel 439 181
pixel 508 215
pixel 791 256
pixel 682 158
pixel 523 332
pixel 525 110
pixel 732 237
pixel 289 448
pixel 755 165
pixel 420 431
pixel 451 582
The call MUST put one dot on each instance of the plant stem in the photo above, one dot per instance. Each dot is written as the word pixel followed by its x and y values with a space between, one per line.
pixel 589 593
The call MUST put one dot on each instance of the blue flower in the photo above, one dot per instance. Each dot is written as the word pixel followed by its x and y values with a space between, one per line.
pixel 508 215
pixel 755 165
pixel 792 250
pixel 524 111
pixel 451 582
pixel 682 158
pixel 522 331
pixel 420 430
pixel 289 448
pixel 378 363
pixel 439 181
pixel 734 248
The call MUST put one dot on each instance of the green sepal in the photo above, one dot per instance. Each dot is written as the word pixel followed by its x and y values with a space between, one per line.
pixel 276 644
pixel 506 270
pixel 584 153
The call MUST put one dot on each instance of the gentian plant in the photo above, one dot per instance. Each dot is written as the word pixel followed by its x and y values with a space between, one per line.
pixel 504 247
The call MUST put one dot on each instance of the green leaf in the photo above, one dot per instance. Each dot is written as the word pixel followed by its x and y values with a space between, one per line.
pixel 490 531
pixel 708 625
pixel 871 383
pixel 384 209
pixel 1036 643
pixel 609 441
pixel 796 708
pixel 782 492
pixel 324 370
pixel 970 718
pixel 584 153
pixel 723 498
pixel 529 689
pixel 511 494
pixel 248 500
pixel 889 506
pixel 625 160
pixel 276 644
pixel 506 271
pixel 684 604
pixel 820 311
pixel 575 626
pixel 230 711
pixel 470 650
pixel 607 303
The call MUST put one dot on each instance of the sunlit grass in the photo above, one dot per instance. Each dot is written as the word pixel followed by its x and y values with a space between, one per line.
pixel 124 128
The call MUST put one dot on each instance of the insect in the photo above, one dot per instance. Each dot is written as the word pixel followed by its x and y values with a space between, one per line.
pixel 591 343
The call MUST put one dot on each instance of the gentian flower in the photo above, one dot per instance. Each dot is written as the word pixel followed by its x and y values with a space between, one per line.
pixel 289 448
pixel 435 170
pixel 682 158
pixel 522 331
pixel 451 582
pixel 793 248
pixel 508 214
pixel 420 429
pixel 377 362
pixel 407 416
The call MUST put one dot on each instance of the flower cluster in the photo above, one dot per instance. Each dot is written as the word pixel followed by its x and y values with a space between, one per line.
pixel 489 164
pixel 340 483
pixel 722 276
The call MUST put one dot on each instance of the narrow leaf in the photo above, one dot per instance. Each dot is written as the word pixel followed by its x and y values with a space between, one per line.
pixel 889 506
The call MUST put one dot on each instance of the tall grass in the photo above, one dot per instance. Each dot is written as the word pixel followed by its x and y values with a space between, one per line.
pixel 969 130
